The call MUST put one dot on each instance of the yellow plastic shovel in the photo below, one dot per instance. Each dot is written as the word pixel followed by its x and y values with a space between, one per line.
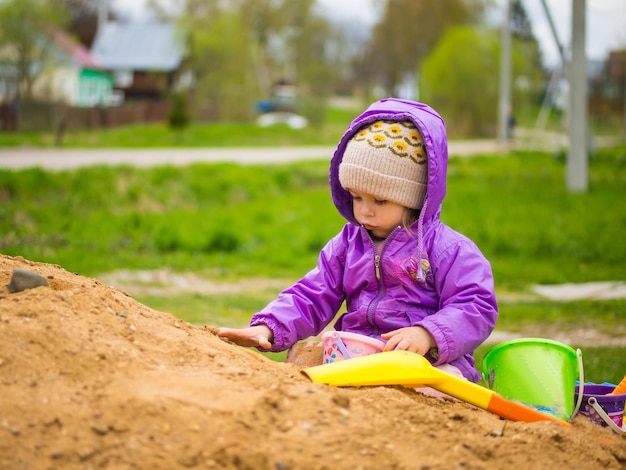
pixel 412 370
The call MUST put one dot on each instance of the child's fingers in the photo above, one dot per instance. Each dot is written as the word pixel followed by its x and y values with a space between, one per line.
pixel 232 334
pixel 263 342
pixel 391 344
pixel 242 337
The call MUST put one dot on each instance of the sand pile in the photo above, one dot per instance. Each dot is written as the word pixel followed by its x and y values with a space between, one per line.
pixel 90 378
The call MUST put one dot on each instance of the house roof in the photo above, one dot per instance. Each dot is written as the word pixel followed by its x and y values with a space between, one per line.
pixel 72 49
pixel 138 46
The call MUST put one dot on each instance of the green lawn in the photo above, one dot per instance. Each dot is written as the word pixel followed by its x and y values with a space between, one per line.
pixel 228 222
pixel 241 134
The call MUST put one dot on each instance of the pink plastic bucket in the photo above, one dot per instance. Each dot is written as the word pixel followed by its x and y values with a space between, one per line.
pixel 602 408
pixel 340 345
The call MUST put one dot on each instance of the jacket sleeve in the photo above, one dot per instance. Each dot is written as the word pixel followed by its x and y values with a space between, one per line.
pixel 307 307
pixel 467 302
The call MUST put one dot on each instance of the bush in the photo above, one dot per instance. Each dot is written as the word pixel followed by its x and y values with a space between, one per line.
pixel 178 118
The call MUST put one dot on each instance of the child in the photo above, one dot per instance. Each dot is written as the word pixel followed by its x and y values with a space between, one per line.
pixel 406 278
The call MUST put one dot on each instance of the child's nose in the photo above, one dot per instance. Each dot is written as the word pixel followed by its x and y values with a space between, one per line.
pixel 366 209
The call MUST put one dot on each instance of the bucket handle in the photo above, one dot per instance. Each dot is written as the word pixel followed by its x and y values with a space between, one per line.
pixel 581 383
pixel 341 346
pixel 606 418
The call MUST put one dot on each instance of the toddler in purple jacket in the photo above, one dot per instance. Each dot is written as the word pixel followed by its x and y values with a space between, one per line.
pixel 406 278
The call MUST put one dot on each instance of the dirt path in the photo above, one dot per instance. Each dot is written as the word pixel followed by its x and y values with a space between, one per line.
pixel 60 159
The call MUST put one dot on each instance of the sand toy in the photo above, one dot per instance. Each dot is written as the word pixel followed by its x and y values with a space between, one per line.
pixel 413 370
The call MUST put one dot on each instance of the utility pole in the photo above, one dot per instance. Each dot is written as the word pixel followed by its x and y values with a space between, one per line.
pixel 577 162
pixel 557 74
pixel 553 30
pixel 504 102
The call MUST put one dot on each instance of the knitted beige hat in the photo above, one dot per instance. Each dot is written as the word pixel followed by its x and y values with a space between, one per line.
pixel 387 159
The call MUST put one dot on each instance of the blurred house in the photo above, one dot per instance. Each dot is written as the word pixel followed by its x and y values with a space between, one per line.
pixel 144 58
pixel 67 75
pixel 73 76
pixel 607 82
pixel 616 72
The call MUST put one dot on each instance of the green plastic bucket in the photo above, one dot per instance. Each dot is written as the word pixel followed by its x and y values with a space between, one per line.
pixel 537 372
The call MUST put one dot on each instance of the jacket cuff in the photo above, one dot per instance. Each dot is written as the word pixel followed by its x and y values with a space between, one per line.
pixel 277 340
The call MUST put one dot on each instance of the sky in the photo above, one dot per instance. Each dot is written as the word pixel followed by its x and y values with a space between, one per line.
pixel 606 21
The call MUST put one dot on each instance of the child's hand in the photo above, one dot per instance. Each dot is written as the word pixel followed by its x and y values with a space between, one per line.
pixel 253 336
pixel 413 338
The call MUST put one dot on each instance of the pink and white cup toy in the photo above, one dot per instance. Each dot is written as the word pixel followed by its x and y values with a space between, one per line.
pixel 341 345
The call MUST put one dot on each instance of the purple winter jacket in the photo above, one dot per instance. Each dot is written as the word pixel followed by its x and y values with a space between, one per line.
pixel 433 277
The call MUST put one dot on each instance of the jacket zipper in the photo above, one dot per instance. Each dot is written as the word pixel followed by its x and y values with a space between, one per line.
pixel 381 285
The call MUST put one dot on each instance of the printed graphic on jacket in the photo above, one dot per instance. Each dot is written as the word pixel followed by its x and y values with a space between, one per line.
pixel 406 270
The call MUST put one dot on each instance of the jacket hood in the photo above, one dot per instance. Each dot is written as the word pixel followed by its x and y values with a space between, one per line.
pixel 433 130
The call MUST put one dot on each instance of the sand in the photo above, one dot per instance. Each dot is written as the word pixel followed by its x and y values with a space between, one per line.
pixel 91 378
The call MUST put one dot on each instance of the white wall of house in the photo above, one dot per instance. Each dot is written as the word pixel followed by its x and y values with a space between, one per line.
pixel 73 87
pixel 56 84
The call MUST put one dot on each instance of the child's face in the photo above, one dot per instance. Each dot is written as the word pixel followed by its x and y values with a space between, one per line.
pixel 378 216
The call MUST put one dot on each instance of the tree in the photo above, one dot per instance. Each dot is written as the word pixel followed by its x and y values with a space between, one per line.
pixel 525 40
pixel 290 43
pixel 521 27
pixel 24 47
pixel 460 79
pixel 306 63
pixel 83 18
pixel 218 58
pixel 238 49
pixel 409 30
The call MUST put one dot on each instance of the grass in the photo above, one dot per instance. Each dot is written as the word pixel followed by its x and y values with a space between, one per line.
pixel 241 134
pixel 228 222
pixel 99 219
pixel 272 220
pixel 544 319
